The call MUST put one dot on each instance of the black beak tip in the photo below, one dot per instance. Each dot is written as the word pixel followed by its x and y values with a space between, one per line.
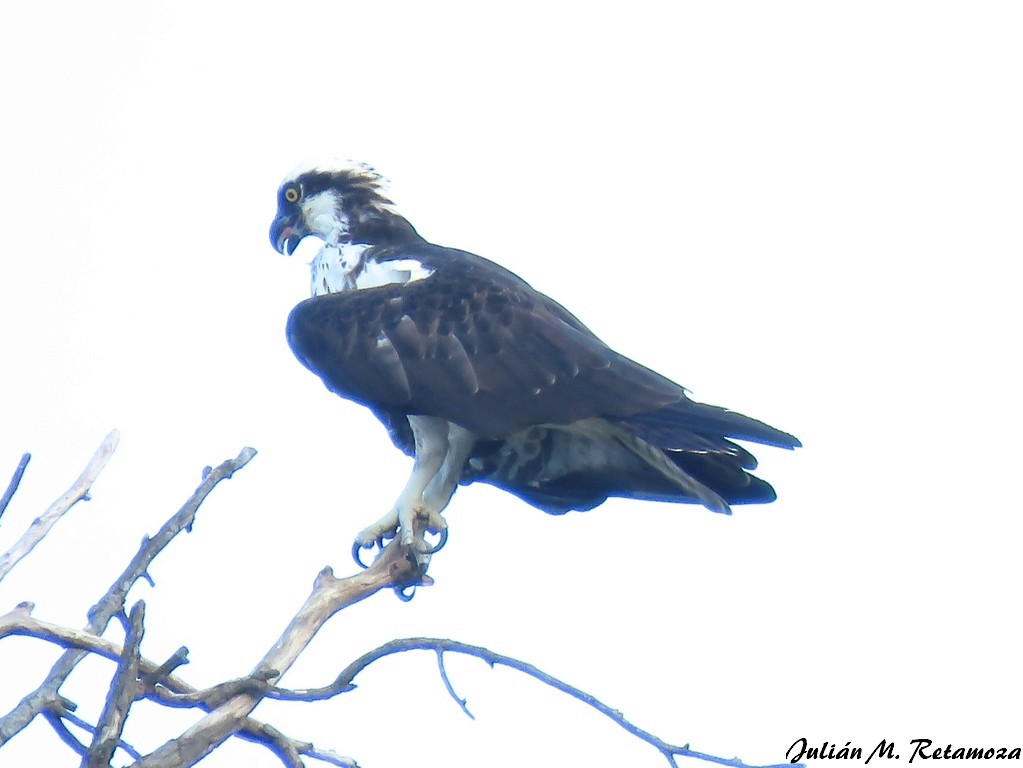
pixel 283 237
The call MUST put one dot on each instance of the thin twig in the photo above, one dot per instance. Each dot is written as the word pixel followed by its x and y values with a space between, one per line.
pixel 56 722
pixel 344 683
pixel 450 688
pixel 123 689
pixel 78 491
pixel 112 602
pixel 12 486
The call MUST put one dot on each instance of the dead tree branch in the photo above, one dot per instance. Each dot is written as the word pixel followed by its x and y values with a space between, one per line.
pixel 12 486
pixel 112 603
pixel 159 685
pixel 20 621
pixel 228 705
pixel 394 568
pixel 157 681
pixel 78 491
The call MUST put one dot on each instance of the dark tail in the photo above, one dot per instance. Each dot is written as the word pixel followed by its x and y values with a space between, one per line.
pixel 691 426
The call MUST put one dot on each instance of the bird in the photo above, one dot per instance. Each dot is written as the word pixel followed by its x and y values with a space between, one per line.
pixel 481 378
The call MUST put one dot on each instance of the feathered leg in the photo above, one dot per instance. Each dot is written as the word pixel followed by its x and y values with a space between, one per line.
pixel 440 490
pixel 441 451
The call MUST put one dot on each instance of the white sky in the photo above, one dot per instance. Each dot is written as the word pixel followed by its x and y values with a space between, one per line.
pixel 808 212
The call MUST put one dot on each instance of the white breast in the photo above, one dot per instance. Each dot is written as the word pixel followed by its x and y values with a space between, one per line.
pixel 343 267
pixel 333 266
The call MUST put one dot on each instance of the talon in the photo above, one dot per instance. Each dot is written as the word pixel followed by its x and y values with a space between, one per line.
pixel 400 593
pixel 401 523
pixel 433 549
pixel 357 550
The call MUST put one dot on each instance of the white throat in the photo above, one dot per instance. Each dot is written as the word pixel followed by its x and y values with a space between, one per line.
pixel 324 219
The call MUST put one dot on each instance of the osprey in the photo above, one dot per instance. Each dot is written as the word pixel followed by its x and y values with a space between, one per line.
pixel 480 377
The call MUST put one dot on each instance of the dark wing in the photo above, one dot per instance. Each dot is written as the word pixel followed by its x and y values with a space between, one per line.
pixel 473 344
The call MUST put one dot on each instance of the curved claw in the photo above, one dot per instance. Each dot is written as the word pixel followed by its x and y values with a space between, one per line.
pixel 356 551
pixel 431 550
pixel 400 592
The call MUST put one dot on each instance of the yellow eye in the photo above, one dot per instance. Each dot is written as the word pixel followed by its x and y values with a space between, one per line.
pixel 291 194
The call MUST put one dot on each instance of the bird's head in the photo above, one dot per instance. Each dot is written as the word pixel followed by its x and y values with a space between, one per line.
pixel 337 202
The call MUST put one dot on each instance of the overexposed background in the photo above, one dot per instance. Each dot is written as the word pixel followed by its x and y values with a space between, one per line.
pixel 808 212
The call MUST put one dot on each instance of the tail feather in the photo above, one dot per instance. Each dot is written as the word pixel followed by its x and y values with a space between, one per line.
pixel 725 477
pixel 691 426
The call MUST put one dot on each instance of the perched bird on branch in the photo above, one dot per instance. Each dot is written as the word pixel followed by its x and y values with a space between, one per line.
pixel 480 377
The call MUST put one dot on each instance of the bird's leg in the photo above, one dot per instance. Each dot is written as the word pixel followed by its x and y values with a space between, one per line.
pixel 431 439
pixel 460 444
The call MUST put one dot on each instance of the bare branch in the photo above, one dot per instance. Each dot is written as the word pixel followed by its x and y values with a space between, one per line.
pixel 123 689
pixel 19 621
pixel 12 486
pixel 343 683
pixel 395 567
pixel 112 603
pixel 78 491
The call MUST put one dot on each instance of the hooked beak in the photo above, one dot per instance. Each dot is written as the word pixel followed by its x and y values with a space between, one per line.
pixel 286 233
